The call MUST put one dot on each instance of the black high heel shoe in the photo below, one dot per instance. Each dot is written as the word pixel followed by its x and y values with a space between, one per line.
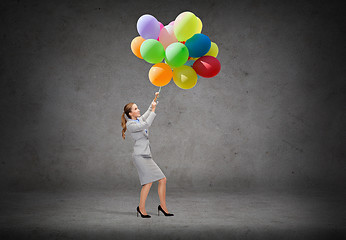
pixel 143 216
pixel 159 208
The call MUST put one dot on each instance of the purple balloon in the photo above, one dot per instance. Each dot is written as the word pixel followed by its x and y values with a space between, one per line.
pixel 148 27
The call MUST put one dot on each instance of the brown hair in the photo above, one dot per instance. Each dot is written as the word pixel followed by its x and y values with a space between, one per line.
pixel 127 110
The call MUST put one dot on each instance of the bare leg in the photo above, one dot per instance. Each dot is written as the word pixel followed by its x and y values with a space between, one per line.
pixel 144 193
pixel 162 193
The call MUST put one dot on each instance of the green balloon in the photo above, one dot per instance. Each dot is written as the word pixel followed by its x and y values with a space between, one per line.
pixel 176 54
pixel 152 51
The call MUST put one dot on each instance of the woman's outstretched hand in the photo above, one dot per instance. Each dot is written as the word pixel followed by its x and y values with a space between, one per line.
pixel 153 106
pixel 156 96
pixel 154 103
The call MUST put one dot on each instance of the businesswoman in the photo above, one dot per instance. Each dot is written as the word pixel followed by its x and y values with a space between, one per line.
pixel 147 169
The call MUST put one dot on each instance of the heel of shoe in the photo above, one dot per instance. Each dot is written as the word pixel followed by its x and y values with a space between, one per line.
pixel 143 216
pixel 159 208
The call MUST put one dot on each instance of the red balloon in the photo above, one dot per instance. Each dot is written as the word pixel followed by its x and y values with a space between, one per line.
pixel 207 66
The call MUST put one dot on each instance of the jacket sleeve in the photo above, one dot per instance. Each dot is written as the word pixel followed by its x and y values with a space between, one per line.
pixel 146 114
pixel 139 126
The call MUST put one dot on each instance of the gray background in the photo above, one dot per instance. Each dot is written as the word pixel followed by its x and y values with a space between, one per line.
pixel 273 118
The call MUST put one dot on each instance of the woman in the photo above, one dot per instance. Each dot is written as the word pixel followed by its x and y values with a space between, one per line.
pixel 148 170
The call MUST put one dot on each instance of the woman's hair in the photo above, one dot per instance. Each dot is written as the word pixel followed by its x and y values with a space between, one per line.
pixel 127 110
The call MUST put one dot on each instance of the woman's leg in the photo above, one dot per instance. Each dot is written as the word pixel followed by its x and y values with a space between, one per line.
pixel 143 197
pixel 162 193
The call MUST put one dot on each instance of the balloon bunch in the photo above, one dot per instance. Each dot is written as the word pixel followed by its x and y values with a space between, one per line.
pixel 178 50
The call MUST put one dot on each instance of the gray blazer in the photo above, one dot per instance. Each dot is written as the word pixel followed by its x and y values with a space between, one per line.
pixel 137 130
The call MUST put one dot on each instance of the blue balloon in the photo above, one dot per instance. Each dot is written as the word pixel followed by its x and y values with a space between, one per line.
pixel 198 45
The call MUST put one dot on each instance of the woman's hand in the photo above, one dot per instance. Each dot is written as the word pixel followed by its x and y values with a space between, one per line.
pixel 156 96
pixel 154 103
pixel 153 106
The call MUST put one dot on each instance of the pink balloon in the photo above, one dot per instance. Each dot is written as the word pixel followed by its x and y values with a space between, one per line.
pixel 161 26
pixel 167 36
pixel 171 23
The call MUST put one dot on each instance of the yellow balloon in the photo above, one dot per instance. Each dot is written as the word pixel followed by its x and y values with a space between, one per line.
pixel 185 26
pixel 200 25
pixel 213 51
pixel 184 77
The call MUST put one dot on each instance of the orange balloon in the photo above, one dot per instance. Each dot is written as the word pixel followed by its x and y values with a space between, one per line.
pixel 160 74
pixel 136 46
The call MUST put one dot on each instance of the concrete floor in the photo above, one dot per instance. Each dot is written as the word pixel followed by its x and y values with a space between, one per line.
pixel 213 214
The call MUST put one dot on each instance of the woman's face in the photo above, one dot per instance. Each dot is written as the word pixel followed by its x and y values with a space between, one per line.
pixel 135 112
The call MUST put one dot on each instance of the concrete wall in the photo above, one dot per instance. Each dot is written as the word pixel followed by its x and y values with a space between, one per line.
pixel 274 117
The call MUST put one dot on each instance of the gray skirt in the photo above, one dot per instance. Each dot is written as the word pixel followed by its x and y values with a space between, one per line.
pixel 147 169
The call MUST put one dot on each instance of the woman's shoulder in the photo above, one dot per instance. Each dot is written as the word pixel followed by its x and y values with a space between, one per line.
pixel 131 122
